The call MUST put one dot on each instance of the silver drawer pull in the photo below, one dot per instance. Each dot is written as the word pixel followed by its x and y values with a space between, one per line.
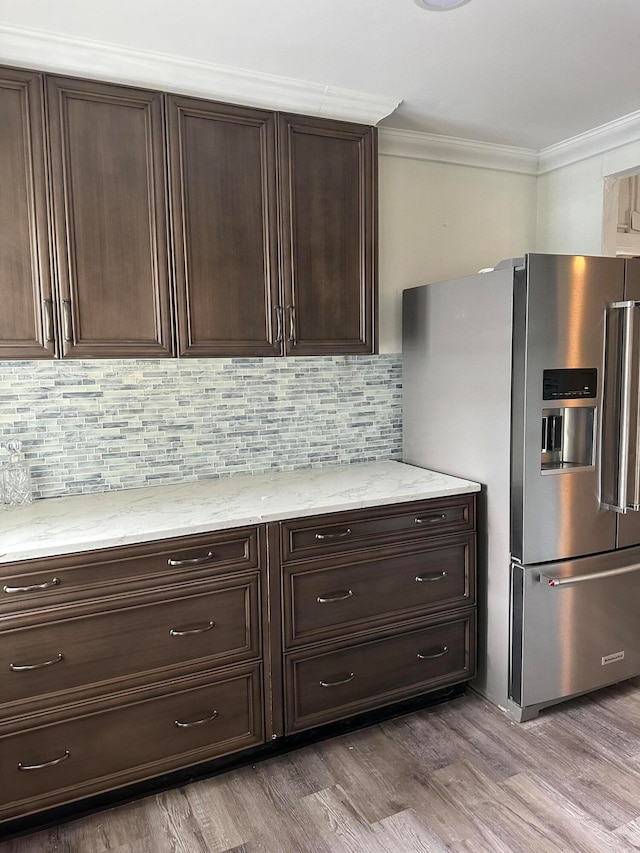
pixel 59 760
pixel 338 596
pixel 198 629
pixel 33 588
pixel 430 519
pixel 346 680
pixel 182 725
pixel 444 651
pixel 434 577
pixel 25 667
pixel 322 536
pixel 192 562
pixel 48 320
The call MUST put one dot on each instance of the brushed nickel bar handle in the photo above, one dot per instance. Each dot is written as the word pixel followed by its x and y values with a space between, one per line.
pixel 608 573
pixel 182 725
pixel 26 667
pixel 292 324
pixel 627 366
pixel 48 320
pixel 200 629
pixel 430 519
pixel 346 680
pixel 322 536
pixel 194 561
pixel 444 651
pixel 66 317
pixel 433 577
pixel 59 760
pixel 32 588
pixel 279 323
pixel 619 501
pixel 338 596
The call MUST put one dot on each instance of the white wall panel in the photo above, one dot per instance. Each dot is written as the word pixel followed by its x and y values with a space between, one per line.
pixel 440 221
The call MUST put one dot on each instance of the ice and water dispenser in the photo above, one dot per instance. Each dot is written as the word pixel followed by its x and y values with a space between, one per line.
pixel 568 430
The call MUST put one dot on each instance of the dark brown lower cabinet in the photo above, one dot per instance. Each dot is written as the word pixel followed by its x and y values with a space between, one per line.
pixel 377 606
pixel 123 665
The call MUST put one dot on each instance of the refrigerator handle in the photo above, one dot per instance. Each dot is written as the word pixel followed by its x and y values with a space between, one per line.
pixel 619 500
pixel 594 576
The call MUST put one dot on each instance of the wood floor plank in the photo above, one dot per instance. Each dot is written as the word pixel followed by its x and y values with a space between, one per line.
pixel 219 828
pixel 566 824
pixel 368 779
pixel 585 772
pixel 335 820
pixel 406 833
pixel 504 822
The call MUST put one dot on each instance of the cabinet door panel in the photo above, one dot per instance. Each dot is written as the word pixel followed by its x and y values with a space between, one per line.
pixel 322 686
pixel 47 581
pixel 222 166
pixel 344 532
pixel 26 319
pixel 323 601
pixel 110 219
pixel 134 736
pixel 84 645
pixel 329 221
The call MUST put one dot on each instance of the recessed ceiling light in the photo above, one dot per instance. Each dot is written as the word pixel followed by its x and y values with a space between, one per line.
pixel 440 5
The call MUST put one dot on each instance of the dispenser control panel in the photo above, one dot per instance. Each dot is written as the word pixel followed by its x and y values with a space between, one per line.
pixel 569 383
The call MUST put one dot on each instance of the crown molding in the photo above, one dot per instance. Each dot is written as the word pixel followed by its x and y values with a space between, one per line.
pixel 83 57
pixel 600 140
pixel 462 152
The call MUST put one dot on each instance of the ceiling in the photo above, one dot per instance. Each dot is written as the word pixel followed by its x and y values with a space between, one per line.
pixel 526 73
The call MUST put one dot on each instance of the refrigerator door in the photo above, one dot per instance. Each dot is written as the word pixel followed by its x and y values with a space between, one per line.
pixel 559 344
pixel 629 522
pixel 575 627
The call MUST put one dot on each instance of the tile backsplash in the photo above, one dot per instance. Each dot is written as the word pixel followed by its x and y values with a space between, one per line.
pixel 92 426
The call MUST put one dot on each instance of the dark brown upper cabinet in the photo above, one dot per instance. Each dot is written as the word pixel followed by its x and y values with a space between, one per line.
pixel 139 224
pixel 110 219
pixel 222 173
pixel 26 318
pixel 329 221
pixel 232 297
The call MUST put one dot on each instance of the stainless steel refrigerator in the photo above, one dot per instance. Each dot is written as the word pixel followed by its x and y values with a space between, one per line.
pixel 526 379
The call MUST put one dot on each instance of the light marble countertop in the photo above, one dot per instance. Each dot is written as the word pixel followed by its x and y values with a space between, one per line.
pixel 88 522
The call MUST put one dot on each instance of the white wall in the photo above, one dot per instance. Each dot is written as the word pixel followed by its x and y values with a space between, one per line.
pixel 571 201
pixel 439 221
pixel 569 219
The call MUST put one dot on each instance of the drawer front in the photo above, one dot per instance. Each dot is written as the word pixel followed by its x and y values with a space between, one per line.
pixel 348 531
pixel 141 737
pixel 320 603
pixel 38 583
pixel 321 688
pixel 220 623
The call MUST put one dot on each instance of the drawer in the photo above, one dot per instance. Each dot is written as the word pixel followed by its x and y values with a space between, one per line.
pixel 128 635
pixel 145 734
pixel 331 685
pixel 37 583
pixel 340 533
pixel 321 602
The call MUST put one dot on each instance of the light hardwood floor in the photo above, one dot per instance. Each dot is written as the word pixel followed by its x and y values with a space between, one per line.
pixel 458 777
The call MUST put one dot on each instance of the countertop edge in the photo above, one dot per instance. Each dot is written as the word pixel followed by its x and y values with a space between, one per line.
pixel 78 544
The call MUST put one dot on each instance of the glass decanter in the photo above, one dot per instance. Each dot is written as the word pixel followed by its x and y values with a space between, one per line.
pixel 16 476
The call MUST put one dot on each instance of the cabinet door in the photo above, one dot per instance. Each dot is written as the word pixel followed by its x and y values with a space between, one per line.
pixel 108 175
pixel 26 319
pixel 329 220
pixel 223 211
